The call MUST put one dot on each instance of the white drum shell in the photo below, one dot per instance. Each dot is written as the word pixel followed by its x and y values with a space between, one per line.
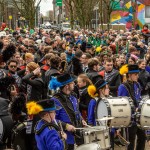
pixel 118 107
pixel 91 146
pixel 98 134
pixel 145 114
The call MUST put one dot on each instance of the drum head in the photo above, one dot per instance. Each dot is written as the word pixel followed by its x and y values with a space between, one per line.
pixel 91 146
pixel 101 111
pixel 145 116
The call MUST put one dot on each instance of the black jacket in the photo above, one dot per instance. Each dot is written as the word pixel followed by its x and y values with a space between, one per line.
pixel 114 81
pixel 144 80
pixel 93 75
pixel 77 66
pixel 4 106
pixel 35 87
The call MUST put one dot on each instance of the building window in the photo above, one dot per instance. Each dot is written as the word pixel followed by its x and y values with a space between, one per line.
pixel 147 11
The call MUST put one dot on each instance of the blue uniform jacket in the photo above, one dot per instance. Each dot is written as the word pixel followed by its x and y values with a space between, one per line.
pixel 62 115
pixel 122 91
pixel 91 112
pixel 48 139
pixel 148 68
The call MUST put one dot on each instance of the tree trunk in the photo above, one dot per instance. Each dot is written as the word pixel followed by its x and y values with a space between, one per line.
pixel 108 22
pixel 71 14
pixel 31 23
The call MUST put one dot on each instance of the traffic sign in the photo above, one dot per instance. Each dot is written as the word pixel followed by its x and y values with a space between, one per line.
pixel 59 2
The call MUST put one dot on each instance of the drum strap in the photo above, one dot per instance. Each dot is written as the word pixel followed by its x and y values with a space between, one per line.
pixel 130 89
pixel 1 131
pixel 47 125
pixel 68 109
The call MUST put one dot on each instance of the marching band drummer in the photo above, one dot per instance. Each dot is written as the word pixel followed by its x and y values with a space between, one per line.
pixel 48 134
pixel 69 112
pixel 98 90
pixel 131 88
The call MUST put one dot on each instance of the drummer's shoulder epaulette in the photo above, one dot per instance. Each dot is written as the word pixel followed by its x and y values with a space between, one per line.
pixel 49 125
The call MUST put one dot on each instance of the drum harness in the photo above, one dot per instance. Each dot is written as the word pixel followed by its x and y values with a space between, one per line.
pixel 75 122
pixel 129 87
pixel 51 125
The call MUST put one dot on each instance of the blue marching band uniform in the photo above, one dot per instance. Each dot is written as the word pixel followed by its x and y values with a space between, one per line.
pixel 131 88
pixel 91 112
pixel 49 138
pixel 47 131
pixel 63 115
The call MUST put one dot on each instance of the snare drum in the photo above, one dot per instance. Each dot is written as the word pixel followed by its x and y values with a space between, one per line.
pixel 97 134
pixel 91 146
pixel 118 107
pixel 143 115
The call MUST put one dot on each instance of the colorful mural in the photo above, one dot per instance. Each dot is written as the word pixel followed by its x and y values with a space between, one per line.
pixel 124 13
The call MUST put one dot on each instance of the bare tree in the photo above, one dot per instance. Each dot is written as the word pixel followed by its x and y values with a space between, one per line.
pixel 84 11
pixel 2 9
pixel 110 5
pixel 28 9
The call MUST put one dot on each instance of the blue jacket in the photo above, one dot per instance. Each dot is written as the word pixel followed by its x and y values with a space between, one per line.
pixel 48 139
pixel 69 57
pixel 122 91
pixel 63 116
pixel 148 68
pixel 91 112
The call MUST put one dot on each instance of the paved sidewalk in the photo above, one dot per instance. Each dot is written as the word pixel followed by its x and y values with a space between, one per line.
pixel 123 148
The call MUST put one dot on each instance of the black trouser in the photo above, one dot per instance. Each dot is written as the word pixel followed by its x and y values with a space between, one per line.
pixel 7 128
pixel 70 147
pixel 112 140
pixel 141 137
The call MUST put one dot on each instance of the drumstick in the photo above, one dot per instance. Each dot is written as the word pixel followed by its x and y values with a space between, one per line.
pixel 88 126
pixel 92 127
pixel 79 128
pixel 124 139
pixel 61 127
pixel 64 142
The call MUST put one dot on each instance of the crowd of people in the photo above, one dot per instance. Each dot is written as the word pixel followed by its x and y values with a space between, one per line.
pixel 53 80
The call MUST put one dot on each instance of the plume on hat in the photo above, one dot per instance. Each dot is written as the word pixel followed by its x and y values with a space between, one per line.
pixel 92 91
pixel 123 70
pixel 98 49
pixel 33 108
pixel 9 51
pixel 54 84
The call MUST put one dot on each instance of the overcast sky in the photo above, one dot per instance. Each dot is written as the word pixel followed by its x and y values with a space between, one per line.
pixel 45 6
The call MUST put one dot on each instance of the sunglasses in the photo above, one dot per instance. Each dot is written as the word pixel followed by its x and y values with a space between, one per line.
pixel 13 66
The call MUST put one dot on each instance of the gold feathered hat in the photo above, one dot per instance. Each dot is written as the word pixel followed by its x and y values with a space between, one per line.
pixel 124 69
pixel 34 108
pixel 93 89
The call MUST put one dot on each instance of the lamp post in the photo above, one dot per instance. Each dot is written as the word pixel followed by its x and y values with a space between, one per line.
pixel 96 9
